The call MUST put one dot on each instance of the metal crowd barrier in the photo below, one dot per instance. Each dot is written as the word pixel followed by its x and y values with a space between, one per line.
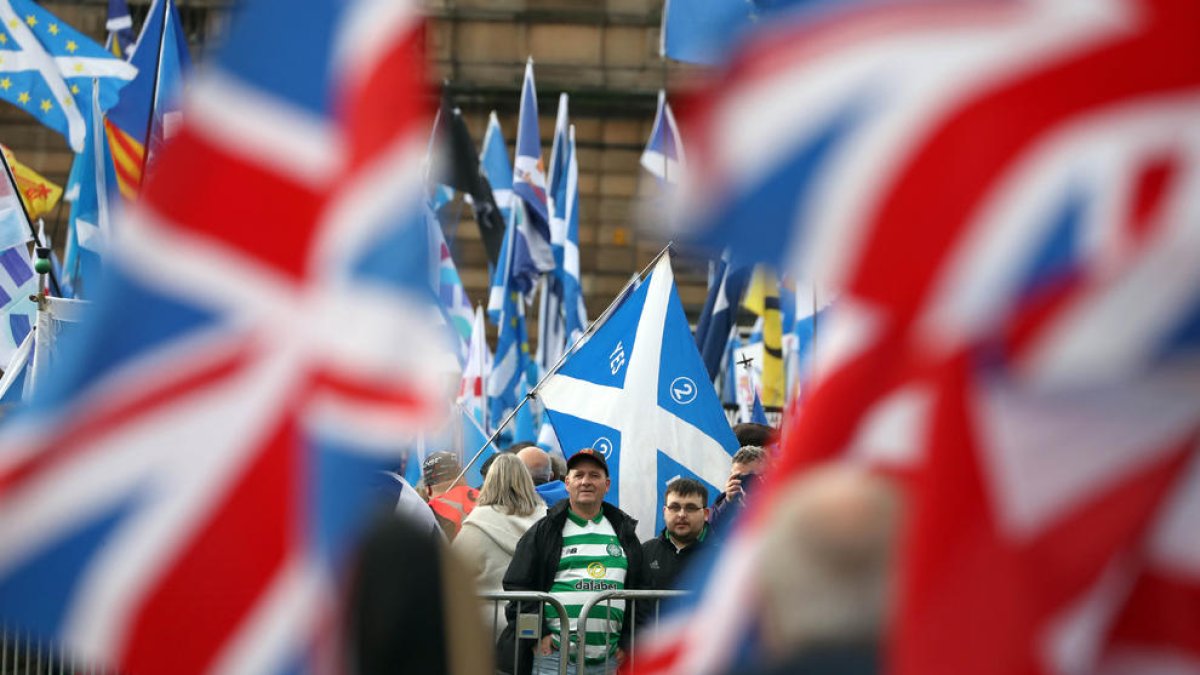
pixel 632 597
pixel 23 654
pixel 529 626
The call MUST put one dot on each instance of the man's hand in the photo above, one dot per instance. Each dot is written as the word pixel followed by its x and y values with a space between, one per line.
pixel 733 487
pixel 545 647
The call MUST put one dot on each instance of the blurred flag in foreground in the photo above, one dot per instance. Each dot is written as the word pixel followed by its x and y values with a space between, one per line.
pixel 1006 195
pixel 183 495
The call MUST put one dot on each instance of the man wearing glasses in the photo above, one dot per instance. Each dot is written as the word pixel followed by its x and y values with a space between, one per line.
pixel 685 513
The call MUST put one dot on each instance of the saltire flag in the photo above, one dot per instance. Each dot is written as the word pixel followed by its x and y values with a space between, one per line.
pixel 496 167
pixel 663 156
pixel 552 335
pixel 529 183
pixel 498 170
pixel 39 194
pixel 762 299
pixel 574 310
pixel 637 392
pixel 718 318
pixel 506 383
pixel 148 108
pixel 1042 302
pixel 556 181
pixel 47 69
pixel 90 227
pixel 119 26
pixel 561 313
pixel 184 493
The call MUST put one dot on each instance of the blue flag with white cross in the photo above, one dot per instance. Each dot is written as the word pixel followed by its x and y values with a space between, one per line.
pixel 638 393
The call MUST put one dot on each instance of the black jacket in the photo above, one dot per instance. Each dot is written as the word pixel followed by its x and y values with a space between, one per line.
pixel 535 563
pixel 662 563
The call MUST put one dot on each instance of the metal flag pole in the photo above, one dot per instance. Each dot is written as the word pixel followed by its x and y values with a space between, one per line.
pixel 592 328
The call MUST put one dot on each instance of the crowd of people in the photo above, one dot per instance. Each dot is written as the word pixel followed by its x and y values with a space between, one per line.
pixel 541 524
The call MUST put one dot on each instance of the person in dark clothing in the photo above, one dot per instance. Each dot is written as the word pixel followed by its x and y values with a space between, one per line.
pixel 584 516
pixel 407 610
pixel 748 463
pixel 685 512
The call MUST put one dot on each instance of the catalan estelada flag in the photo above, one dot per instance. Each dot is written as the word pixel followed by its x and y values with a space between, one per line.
pixel 38 194
pixel 141 118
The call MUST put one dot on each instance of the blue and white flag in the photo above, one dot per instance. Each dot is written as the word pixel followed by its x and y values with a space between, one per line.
pixel 120 29
pixel 47 68
pixel 452 298
pixel 552 334
pixel 18 281
pixel 506 382
pixel 529 180
pixel 16 373
pixel 90 225
pixel 638 393
pixel 574 310
pixel 663 156
pixel 720 313
pixel 556 181
pixel 496 166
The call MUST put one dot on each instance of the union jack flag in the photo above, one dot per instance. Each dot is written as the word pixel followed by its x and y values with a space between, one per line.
pixel 185 493
pixel 1007 194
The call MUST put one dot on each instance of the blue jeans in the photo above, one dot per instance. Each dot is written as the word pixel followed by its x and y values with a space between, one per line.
pixel 548 665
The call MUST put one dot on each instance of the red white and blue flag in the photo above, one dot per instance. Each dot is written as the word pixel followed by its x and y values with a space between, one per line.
pixel 183 495
pixel 1006 193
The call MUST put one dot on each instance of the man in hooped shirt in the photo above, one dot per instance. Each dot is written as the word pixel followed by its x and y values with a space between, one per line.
pixel 582 547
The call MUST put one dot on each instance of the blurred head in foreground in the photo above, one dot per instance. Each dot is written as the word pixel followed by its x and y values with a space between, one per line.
pixel 825 577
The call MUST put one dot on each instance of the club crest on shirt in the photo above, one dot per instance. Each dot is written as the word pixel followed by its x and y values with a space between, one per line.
pixel 615 551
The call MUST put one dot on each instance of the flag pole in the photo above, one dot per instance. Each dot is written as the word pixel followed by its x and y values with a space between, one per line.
pixel 37 237
pixel 592 328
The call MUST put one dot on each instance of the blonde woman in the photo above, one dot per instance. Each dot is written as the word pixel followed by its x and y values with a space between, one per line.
pixel 508 506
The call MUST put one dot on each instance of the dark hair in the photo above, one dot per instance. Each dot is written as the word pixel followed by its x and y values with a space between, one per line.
pixel 517 447
pixel 487 464
pixel 686 487
pixel 749 433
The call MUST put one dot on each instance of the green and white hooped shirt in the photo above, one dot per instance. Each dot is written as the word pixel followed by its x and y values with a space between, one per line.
pixel 592 561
